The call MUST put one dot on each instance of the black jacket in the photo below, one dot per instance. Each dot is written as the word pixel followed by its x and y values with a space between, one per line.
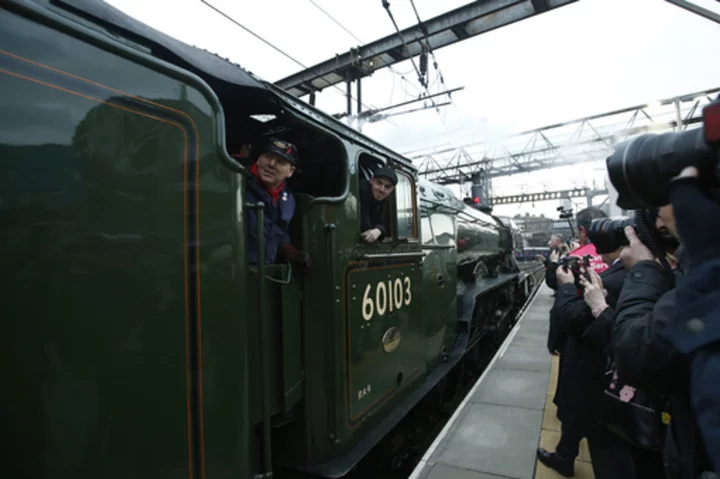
pixel 551 274
pixel 646 359
pixel 373 213
pixel 582 378
pixel 556 338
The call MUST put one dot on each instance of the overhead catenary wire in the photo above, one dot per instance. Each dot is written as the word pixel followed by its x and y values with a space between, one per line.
pixel 422 80
pixel 421 91
pixel 283 53
pixel 432 53
pixel 386 5
pixel 359 40
pixel 228 17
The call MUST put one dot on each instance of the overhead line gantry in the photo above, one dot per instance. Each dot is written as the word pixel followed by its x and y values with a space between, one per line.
pixel 451 27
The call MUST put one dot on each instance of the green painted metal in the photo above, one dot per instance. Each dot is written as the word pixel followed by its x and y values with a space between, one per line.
pixel 439 292
pixel 293 372
pixel 148 347
pixel 384 333
pixel 123 280
pixel 264 345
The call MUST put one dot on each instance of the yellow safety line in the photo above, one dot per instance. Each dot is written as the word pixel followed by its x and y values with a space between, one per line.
pixel 550 434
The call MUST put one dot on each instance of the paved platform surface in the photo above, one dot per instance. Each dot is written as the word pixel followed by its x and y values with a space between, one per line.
pixel 507 414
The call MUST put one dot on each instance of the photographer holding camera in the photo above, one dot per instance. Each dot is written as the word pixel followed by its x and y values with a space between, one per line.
pixel 558 248
pixel 632 416
pixel 581 378
pixel 556 334
pixel 647 346
pixel 696 331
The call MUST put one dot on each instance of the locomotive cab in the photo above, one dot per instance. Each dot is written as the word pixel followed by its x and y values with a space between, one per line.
pixel 277 292
pixel 361 332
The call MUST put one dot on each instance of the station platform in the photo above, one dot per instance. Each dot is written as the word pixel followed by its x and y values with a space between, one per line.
pixel 508 413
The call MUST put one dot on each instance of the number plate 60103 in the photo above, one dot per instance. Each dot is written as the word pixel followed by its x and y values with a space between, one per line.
pixel 386 296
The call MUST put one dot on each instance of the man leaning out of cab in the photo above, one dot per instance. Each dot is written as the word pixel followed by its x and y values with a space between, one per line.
pixel 275 164
pixel 374 204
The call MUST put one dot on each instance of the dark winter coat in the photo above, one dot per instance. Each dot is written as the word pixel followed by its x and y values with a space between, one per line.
pixel 276 221
pixel 646 359
pixel 582 378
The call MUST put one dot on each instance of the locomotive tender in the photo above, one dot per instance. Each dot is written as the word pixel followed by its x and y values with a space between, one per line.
pixel 142 344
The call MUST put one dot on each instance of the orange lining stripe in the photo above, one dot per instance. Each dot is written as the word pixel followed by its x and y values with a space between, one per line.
pixel 186 266
pixel 197 232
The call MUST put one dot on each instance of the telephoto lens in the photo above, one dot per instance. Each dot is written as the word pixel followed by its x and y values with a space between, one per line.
pixel 642 168
pixel 608 234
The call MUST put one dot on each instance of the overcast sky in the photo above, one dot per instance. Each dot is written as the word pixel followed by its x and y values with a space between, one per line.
pixel 585 58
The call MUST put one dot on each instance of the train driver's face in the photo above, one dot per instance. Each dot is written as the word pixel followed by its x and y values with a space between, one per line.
pixel 274 169
pixel 381 188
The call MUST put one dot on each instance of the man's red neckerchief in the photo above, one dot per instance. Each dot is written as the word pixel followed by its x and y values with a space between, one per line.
pixel 275 192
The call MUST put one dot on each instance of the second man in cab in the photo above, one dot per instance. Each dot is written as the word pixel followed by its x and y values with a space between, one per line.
pixel 374 204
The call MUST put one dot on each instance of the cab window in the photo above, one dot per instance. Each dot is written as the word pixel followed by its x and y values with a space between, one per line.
pixel 405 207
pixel 402 203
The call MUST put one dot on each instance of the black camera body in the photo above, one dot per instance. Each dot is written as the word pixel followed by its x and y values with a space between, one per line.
pixel 608 235
pixel 564 214
pixel 641 169
pixel 573 264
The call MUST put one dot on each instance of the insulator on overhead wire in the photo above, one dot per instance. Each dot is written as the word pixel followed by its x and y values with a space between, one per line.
pixel 423 63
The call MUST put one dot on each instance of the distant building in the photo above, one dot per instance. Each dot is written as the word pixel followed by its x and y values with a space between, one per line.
pixel 537 230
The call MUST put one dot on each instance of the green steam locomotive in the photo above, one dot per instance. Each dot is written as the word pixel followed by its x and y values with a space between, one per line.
pixel 139 342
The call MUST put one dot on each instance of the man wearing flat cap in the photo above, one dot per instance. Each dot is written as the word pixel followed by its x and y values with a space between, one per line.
pixel 374 205
pixel 275 164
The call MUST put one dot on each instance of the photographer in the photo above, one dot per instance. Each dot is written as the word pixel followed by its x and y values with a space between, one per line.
pixel 626 411
pixel 556 335
pixel 696 330
pixel 556 245
pixel 558 249
pixel 643 334
pixel 581 378
pixel 643 353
